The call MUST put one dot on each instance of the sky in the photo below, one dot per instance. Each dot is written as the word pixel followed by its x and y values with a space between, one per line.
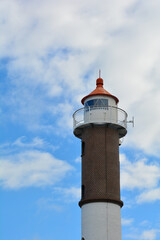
pixel 50 55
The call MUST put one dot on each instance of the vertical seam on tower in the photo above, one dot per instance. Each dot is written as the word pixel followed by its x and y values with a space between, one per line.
pixel 107 220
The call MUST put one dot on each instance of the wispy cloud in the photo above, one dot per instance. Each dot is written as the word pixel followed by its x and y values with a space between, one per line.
pixel 23 143
pixel 36 142
pixel 150 195
pixel 70 194
pixel 31 168
pixel 78 160
pixel 139 174
pixel 60 196
pixel 64 119
pixel 49 204
pixel 149 234
pixel 127 222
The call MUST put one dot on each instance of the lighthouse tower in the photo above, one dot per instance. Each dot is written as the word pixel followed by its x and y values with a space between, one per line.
pixel 100 125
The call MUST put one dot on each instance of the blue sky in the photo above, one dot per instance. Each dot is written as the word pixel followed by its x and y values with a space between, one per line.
pixel 50 54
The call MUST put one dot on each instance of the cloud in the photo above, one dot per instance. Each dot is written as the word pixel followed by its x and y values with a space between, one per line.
pixel 139 174
pixel 52 54
pixel 143 176
pixel 49 204
pixel 64 119
pixel 23 143
pixel 31 168
pixel 149 234
pixel 78 160
pixel 36 142
pixel 69 194
pixel 149 195
pixel 73 192
pixel 127 222
pixel 60 197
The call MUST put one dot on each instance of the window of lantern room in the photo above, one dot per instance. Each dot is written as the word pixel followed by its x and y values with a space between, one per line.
pixel 96 103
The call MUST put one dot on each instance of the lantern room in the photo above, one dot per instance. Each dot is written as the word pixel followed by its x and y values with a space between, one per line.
pixel 100 107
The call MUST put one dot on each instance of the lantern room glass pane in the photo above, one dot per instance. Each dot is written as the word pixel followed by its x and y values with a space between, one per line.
pixel 97 103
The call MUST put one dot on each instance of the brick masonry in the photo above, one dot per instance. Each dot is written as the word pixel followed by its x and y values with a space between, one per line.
pixel 100 165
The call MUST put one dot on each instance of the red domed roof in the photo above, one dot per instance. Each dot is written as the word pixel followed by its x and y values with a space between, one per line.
pixel 99 91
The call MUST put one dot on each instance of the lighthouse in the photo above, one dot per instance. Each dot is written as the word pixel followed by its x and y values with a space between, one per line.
pixel 100 125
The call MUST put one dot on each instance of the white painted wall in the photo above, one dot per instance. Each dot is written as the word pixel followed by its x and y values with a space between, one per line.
pixel 108 115
pixel 101 221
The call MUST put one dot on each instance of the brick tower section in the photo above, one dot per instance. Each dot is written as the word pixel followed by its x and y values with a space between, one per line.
pixel 100 165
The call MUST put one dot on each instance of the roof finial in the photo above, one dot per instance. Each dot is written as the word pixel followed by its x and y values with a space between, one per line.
pixel 99 81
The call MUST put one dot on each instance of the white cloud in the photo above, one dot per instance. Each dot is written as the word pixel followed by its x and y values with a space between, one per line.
pixel 36 142
pixel 60 196
pixel 69 194
pixel 145 223
pixel 149 195
pixel 73 192
pixel 139 174
pixel 31 168
pixel 64 121
pixel 23 143
pixel 48 204
pixel 78 160
pixel 149 234
pixel 127 222
pixel 58 48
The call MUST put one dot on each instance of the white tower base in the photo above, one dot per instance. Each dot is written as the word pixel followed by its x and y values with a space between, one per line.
pixel 101 221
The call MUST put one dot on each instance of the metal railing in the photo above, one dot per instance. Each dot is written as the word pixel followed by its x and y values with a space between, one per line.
pixel 100 114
